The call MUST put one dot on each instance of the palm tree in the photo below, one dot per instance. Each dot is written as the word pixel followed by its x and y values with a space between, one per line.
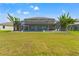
pixel 16 22
pixel 65 20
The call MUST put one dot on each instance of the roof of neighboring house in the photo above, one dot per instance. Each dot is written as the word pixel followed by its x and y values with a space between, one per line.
pixel 39 20
pixel 7 24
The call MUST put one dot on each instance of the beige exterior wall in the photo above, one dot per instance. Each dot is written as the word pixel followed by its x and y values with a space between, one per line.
pixel 76 23
pixel 6 27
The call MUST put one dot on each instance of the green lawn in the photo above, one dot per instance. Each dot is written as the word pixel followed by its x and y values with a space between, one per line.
pixel 39 43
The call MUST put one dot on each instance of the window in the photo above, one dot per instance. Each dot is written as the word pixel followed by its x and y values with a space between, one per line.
pixel 3 26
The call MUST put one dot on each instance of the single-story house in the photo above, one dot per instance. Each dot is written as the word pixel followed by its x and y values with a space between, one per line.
pixel 6 26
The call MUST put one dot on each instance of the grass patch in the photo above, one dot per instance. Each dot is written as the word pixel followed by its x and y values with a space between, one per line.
pixel 5 30
pixel 74 32
pixel 39 44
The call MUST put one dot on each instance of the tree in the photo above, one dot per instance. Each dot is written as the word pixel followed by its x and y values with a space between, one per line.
pixel 65 20
pixel 16 22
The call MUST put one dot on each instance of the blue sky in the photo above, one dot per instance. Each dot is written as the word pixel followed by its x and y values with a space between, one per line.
pixel 25 10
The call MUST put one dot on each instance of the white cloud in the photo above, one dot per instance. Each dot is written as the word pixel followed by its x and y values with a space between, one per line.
pixel 18 11
pixel 36 8
pixel 32 6
pixel 25 12
pixel 63 11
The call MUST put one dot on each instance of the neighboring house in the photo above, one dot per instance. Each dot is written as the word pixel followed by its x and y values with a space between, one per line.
pixel 38 24
pixel 6 26
pixel 74 26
